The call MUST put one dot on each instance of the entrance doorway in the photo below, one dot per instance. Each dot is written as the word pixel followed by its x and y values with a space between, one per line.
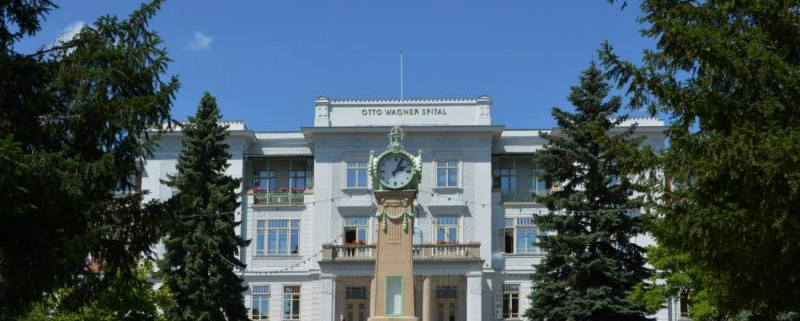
pixel 446 309
pixel 356 304
pixel 446 303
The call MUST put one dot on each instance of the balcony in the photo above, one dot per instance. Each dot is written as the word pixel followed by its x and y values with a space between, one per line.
pixel 280 181
pixel 366 252
pixel 518 179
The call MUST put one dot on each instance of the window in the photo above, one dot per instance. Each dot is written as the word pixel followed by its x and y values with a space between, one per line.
pixel 511 301
pixel 394 296
pixel 291 302
pixel 446 229
pixel 521 236
pixel 447 174
pixel 446 292
pixel 539 186
pixel 506 180
pixel 298 180
pixel 357 292
pixel 357 174
pixel 355 230
pixel 265 180
pixel 683 305
pixel 259 308
pixel 278 237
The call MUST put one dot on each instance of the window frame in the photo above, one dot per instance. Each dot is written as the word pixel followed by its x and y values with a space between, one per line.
pixel 356 167
pixel 264 315
pixel 366 228
pixel 507 296
pixel 386 295
pixel 293 298
pixel 271 177
pixel 262 246
pixel 515 227
pixel 449 164
pixel 448 227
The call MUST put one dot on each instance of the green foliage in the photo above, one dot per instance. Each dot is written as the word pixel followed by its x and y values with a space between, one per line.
pixel 201 247
pixel 726 73
pixel 73 127
pixel 673 280
pixel 591 263
pixel 125 298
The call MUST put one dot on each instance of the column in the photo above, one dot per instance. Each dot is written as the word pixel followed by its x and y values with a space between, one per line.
pixel 426 299
pixel 327 297
pixel 474 302
pixel 372 297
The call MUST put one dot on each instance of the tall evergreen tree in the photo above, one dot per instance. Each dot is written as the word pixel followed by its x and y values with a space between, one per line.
pixel 202 246
pixel 74 122
pixel 727 74
pixel 591 263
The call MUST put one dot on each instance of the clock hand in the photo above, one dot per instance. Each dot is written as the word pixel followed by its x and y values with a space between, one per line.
pixel 397 168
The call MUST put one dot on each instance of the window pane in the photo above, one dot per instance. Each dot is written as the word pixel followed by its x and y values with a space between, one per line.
pixel 394 296
pixel 452 235
pixel 260 242
pixel 440 236
pixel 282 240
pixel 295 242
pixel 351 178
pixel 362 178
pixel 440 177
pixel 452 177
pixel 272 242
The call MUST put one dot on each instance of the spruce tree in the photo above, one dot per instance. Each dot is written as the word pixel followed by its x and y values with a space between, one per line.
pixel 76 121
pixel 591 263
pixel 202 245
pixel 726 73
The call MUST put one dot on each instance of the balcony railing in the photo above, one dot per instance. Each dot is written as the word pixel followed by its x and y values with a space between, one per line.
pixel 264 197
pixel 360 252
pixel 521 197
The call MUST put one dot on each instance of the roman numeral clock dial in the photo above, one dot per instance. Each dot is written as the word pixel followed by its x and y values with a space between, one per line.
pixel 395 170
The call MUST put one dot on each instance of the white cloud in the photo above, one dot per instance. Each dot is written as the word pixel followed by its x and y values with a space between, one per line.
pixel 199 42
pixel 69 32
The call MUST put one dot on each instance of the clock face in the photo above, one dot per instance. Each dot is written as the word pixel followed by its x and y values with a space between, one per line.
pixel 395 171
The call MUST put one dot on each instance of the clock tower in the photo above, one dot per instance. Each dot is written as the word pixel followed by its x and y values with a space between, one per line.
pixel 395 175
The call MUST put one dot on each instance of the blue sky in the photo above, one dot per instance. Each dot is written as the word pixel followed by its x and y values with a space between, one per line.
pixel 266 61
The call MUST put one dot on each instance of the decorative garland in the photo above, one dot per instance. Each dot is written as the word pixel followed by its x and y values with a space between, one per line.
pixel 384 216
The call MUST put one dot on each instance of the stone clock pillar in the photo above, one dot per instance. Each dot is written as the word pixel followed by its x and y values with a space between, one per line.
pixel 395 174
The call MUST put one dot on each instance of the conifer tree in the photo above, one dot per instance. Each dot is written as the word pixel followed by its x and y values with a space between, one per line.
pixel 726 74
pixel 76 121
pixel 591 263
pixel 202 245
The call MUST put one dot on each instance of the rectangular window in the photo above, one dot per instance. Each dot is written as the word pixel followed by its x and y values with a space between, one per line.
pixel 539 185
pixel 265 180
pixel 511 301
pixel 394 296
pixel 521 236
pixel 357 174
pixel 446 292
pixel 683 305
pixel 355 230
pixel 357 292
pixel 291 302
pixel 298 180
pixel 446 229
pixel 506 180
pixel 447 174
pixel 278 237
pixel 259 307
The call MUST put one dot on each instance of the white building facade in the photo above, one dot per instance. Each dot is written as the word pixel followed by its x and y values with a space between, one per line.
pixel 308 211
